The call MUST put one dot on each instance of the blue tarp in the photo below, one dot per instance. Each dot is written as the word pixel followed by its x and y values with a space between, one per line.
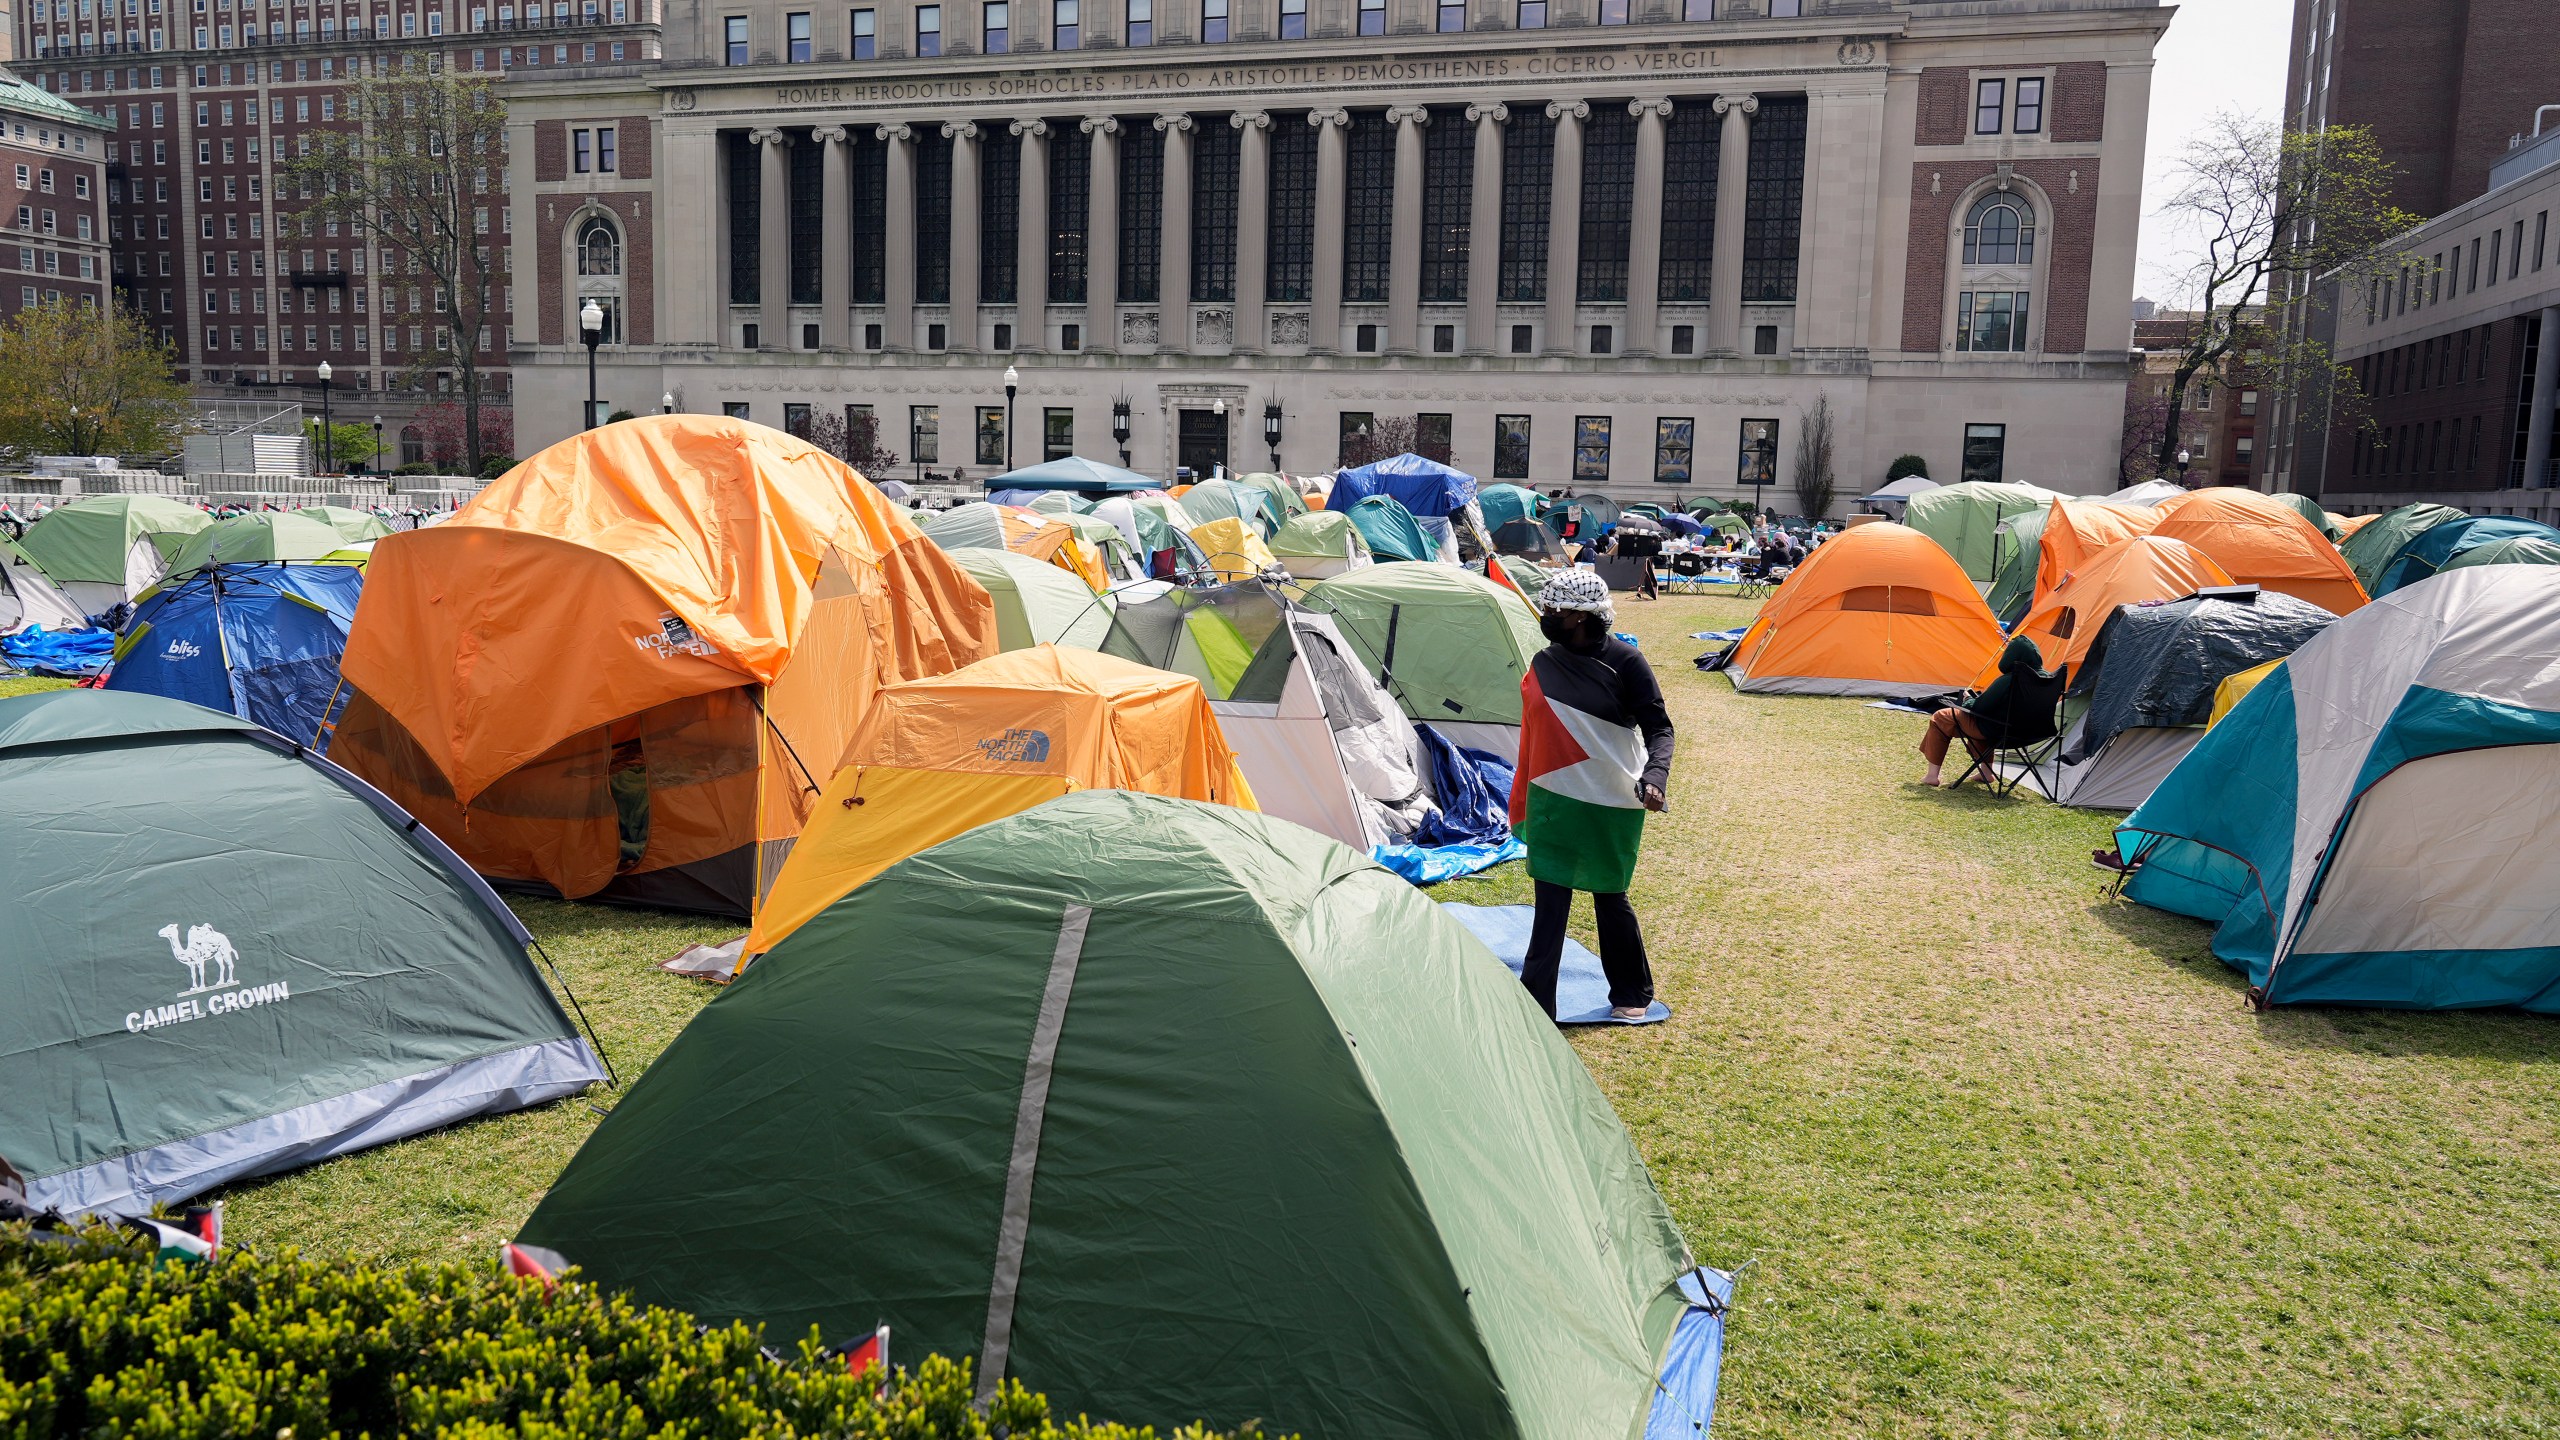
pixel 1684 1406
pixel 261 641
pixel 1075 473
pixel 1582 987
pixel 1431 864
pixel 1471 831
pixel 66 654
pixel 1423 487
pixel 1390 530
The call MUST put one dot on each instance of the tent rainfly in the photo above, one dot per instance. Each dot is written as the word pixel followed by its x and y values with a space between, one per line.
pixel 262 642
pixel 1879 609
pixel 1450 645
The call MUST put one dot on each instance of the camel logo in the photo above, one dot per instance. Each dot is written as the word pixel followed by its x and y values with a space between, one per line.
pixel 1023 747
pixel 182 650
pixel 204 946
pixel 212 965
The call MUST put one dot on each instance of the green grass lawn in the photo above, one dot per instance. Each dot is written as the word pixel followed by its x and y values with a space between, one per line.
pixel 2002 1157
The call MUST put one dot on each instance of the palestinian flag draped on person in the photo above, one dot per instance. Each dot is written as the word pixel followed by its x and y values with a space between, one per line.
pixel 1576 797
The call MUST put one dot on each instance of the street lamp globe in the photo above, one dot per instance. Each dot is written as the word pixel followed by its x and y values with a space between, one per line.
pixel 324 372
pixel 1218 406
pixel 591 317
pixel 667 403
pixel 1012 377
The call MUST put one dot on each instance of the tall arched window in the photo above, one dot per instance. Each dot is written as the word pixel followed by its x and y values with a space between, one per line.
pixel 2000 231
pixel 600 248
pixel 1995 289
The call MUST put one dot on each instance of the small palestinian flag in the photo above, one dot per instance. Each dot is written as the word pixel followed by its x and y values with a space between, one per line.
pixel 1573 799
pixel 873 1351
pixel 1495 572
pixel 532 1262
pixel 191 1239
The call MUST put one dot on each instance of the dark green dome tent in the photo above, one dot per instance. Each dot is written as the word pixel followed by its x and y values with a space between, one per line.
pixel 223 956
pixel 1169 1111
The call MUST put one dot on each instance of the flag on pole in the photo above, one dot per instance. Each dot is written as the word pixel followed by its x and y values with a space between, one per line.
pixel 191 1239
pixel 872 1351
pixel 1495 571
pixel 532 1262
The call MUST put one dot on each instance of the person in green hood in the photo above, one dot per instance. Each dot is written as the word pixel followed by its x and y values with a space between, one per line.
pixel 2017 707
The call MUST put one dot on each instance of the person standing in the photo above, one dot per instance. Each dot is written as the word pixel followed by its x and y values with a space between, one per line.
pixel 1595 755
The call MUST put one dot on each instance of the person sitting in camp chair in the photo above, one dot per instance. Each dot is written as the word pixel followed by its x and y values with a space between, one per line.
pixel 2017 710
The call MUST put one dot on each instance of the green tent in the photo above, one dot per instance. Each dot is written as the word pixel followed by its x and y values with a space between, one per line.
pixel 2309 509
pixel 222 956
pixel 1233 500
pixel 2514 550
pixel 974 525
pixel 2021 550
pixel 1174 514
pixel 1036 602
pixel 1529 575
pixel 2378 542
pixel 1283 495
pixel 92 540
pixel 1170 1111
pixel 1449 644
pixel 1319 544
pixel 261 535
pixel 353 526
pixel 1725 522
pixel 1965 519
pixel 1059 502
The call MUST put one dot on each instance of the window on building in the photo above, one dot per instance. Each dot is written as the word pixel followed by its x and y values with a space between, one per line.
pixel 1216 155
pixel 999 226
pixel 605 158
pixel 1613 12
pixel 2001 230
pixel 1786 9
pixel 1213 22
pixel 1293 211
pixel 1370 206
pixel 1757 463
pixel 1373 17
pixel 1533 15
pixel 1991 321
pixel 2541 232
pixel 1448 191
pixel 1528 161
pixel 866 34
pixel 932 219
pixel 1674 451
pixel 1684 339
pixel 581 151
pixel 924 434
pixel 1064 24
pixel 746 219
pixel 795 30
pixel 2248 402
pixel 1773 204
pixel 734 27
pixel 1452 17
pixel 928 30
pixel 1591 449
pixel 1608 204
pixel 2029 116
pixel 1990 105
pixel 599 247
pixel 1986 452
pixel 1364 339
pixel 990 432
pixel 1444 339
pixel 1293 19
pixel 1142 22
pixel 1691 154
pixel 1510 447
pixel 1141 193
pixel 996 30
pixel 1523 339
pixel 1353 428
pixel 1070 203
pixel 1604 339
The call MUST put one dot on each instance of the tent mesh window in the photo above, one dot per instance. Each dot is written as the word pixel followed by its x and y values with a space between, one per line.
pixel 1141 203
pixel 1448 193
pixel 1293 209
pixel 1889 599
pixel 1608 203
pixel 746 218
pixel 808 222
pixel 933 218
pixel 1215 153
pixel 1209 634
pixel 868 161
pixel 999 188
pixel 1368 219
pixel 1773 201
pixel 1070 213
pixel 1528 165
pixel 1691 154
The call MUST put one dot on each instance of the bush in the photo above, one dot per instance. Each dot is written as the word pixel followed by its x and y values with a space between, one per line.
pixel 493 466
pixel 97 1339
pixel 1906 465
pixel 618 416
pixel 415 467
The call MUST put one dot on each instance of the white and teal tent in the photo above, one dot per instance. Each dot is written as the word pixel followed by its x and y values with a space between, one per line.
pixel 2369 827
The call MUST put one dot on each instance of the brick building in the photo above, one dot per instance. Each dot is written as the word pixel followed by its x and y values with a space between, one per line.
pixel 54 156
pixel 2218 423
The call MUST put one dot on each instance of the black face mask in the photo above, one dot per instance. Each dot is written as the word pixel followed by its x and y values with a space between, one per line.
pixel 1563 627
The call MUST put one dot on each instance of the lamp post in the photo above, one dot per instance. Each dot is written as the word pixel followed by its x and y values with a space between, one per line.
pixel 1120 429
pixel 328 450
pixel 591 324
pixel 667 403
pixel 2184 459
pixel 1218 407
pixel 75 429
pixel 1012 378
pixel 377 443
pixel 1271 430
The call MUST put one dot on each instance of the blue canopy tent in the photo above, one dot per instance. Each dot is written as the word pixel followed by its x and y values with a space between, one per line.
pixel 1085 477
pixel 260 640
pixel 1422 487
pixel 1390 531
pixel 2432 549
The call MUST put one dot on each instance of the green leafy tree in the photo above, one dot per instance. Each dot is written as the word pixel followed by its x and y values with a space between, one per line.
pixel 348 443
pixel 420 176
pixel 1905 466
pixel 79 380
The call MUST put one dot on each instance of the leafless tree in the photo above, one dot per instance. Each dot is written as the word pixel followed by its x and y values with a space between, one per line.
pixel 1816 447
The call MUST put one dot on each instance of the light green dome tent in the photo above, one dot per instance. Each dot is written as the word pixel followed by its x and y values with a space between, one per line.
pixel 1233 500
pixel 977 525
pixel 1282 493
pixel 1449 644
pixel 2514 550
pixel 267 963
pixel 1059 502
pixel 1036 602
pixel 353 526
pixel 106 549
pixel 1167 1110
pixel 2309 509
pixel 2378 542
pixel 1965 520
pixel 261 535
pixel 1320 544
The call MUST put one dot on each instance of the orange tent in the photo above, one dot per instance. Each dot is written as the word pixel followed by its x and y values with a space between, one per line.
pixel 610 672
pixel 2142 567
pixel 1879 609
pixel 2263 542
pixel 2076 530
pixel 948 753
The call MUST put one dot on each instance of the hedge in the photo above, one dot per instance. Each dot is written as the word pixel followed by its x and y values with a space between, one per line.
pixel 98 1339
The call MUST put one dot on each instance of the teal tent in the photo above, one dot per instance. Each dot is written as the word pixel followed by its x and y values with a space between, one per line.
pixel 222 956
pixel 1088 477
pixel 2378 541
pixel 1390 531
pixel 1502 504
pixel 2439 545
pixel 1233 500
pixel 1170 1111
pixel 2513 550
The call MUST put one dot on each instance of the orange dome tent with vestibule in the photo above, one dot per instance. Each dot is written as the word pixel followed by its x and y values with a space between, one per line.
pixel 2076 530
pixel 2142 567
pixel 611 673
pixel 1877 610
pixel 2263 542
pixel 948 753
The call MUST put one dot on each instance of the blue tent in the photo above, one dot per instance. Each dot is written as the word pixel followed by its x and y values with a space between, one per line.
pixel 2432 549
pixel 260 640
pixel 1086 477
pixel 1390 531
pixel 1422 487
pixel 1503 504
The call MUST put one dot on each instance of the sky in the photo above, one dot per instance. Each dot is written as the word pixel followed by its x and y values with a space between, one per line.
pixel 2218 55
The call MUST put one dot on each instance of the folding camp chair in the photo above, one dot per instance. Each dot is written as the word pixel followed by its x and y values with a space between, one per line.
pixel 2031 735
pixel 1687 577
pixel 1758 585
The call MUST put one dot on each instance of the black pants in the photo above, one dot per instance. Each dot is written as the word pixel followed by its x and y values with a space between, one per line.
pixel 1622 955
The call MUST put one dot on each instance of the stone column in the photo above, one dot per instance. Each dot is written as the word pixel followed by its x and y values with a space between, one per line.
pixel 1102 236
pixel 898 240
pixel 1733 187
pixel 1484 228
pixel 964 233
pixel 1253 227
pixel 1324 309
pixel 1644 245
pixel 2546 390
pixel 1404 245
pixel 1031 239
pixel 1173 251
pixel 773 233
pixel 1564 224
pixel 835 265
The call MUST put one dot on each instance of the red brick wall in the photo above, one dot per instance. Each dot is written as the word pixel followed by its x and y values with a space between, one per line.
pixel 550 150
pixel 1943 107
pixel 2080 101
pixel 2070 239
pixel 639 263
pixel 634 140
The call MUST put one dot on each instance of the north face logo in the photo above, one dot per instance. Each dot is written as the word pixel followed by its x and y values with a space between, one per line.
pixel 1025 747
